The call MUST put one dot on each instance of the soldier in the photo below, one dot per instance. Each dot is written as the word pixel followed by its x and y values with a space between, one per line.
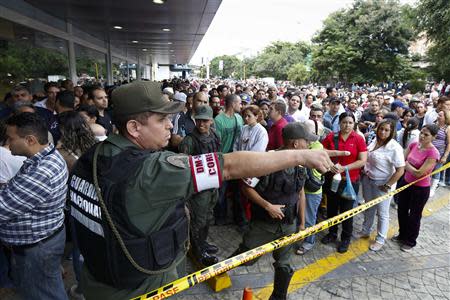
pixel 128 196
pixel 202 140
pixel 279 200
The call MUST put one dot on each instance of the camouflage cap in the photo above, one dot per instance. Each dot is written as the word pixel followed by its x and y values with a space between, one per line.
pixel 203 112
pixel 297 130
pixel 142 96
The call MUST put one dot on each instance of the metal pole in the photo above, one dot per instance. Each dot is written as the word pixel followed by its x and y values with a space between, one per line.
pixel 109 76
pixel 72 60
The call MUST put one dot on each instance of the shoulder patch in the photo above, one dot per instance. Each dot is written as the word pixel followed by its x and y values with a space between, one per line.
pixel 180 161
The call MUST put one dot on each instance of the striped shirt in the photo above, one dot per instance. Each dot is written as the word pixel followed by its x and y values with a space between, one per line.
pixel 32 203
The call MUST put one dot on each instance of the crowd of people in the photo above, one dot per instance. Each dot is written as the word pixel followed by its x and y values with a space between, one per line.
pixel 391 137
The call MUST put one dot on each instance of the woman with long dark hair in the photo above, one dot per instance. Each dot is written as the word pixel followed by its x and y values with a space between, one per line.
pixel 346 139
pixel 421 158
pixel 409 134
pixel 385 165
pixel 76 136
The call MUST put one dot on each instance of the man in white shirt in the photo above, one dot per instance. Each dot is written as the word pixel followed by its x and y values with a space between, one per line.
pixel 431 115
pixel 52 89
pixel 9 164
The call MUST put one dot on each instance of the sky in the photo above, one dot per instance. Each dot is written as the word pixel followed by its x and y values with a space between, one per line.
pixel 244 27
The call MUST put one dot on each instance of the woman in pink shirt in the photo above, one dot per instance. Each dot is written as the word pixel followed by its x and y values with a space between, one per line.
pixel 421 157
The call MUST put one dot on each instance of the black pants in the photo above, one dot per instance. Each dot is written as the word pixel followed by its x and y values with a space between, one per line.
pixel 410 206
pixel 337 205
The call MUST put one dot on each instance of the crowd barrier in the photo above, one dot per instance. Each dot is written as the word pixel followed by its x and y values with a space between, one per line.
pixel 192 279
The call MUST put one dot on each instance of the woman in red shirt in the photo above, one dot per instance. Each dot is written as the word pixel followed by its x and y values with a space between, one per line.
pixel 350 141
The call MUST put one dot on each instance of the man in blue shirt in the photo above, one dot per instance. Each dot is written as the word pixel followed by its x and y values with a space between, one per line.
pixel 331 117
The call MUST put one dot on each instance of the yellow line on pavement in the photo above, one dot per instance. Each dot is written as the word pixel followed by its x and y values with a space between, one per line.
pixel 333 261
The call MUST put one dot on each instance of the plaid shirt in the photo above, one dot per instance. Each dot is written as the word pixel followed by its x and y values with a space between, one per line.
pixel 32 202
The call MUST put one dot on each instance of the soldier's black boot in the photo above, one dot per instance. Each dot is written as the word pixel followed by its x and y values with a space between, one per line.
pixel 207 259
pixel 201 255
pixel 281 283
pixel 210 248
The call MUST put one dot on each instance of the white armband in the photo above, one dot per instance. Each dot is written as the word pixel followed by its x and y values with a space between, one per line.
pixel 205 170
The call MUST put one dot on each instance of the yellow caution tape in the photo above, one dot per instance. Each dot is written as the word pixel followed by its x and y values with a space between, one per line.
pixel 192 279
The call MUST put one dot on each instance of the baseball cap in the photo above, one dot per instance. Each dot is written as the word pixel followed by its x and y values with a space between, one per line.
pixel 168 91
pixel 264 101
pixel 396 104
pixel 180 97
pixel 203 112
pixel 246 98
pixel 297 130
pixel 142 96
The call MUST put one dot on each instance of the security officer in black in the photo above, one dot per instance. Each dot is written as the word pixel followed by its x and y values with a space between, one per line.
pixel 278 202
pixel 203 139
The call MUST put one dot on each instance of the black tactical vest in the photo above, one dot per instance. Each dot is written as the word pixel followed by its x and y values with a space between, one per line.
pixel 283 188
pixel 204 144
pixel 102 253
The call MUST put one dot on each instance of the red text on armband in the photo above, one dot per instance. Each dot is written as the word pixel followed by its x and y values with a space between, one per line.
pixel 205 170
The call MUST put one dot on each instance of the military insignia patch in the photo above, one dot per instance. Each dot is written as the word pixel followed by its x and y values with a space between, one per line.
pixel 180 161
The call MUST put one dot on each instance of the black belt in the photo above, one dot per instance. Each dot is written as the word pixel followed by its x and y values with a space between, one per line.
pixel 21 248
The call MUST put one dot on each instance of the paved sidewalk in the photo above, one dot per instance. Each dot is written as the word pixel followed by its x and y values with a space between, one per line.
pixel 359 274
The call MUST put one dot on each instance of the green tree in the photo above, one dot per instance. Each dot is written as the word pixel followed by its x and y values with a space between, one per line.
pixel 298 74
pixel 277 58
pixel 362 43
pixel 20 61
pixel 232 67
pixel 433 18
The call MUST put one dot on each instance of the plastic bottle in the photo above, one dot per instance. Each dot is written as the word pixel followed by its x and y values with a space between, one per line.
pixel 335 182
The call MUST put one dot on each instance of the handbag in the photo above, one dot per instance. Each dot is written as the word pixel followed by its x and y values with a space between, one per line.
pixel 348 192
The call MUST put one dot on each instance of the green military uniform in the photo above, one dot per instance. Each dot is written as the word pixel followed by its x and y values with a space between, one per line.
pixel 282 188
pixel 128 198
pixel 279 188
pixel 201 205
pixel 148 207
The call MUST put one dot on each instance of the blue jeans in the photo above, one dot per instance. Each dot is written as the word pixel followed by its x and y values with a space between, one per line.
pixel 36 271
pixel 371 191
pixel 5 281
pixel 312 205
pixel 447 172
pixel 438 176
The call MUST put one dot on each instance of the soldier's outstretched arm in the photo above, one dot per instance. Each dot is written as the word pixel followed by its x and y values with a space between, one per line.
pixel 243 164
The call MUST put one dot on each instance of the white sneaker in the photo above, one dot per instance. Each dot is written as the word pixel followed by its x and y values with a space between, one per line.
pixel 375 246
pixel 434 186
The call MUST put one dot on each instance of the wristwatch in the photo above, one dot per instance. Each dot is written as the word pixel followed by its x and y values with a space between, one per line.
pixel 387 186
